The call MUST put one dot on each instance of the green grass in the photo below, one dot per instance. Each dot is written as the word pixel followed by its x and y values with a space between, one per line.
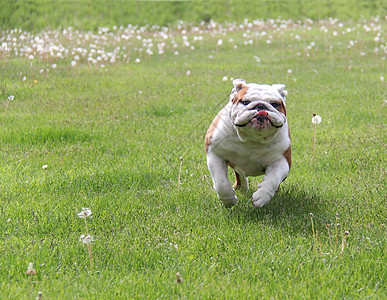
pixel 92 14
pixel 112 138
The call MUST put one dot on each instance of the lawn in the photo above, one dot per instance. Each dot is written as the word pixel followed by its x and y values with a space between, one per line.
pixel 110 120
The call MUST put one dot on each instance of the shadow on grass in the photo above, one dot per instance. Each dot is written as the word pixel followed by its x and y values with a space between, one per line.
pixel 290 209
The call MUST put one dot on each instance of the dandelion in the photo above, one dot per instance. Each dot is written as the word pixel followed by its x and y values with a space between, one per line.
pixel 381 78
pixel 343 242
pixel 315 120
pixel 188 73
pixel 44 167
pixel 219 44
pixel 85 213
pixel 10 98
pixel 53 66
pixel 290 71
pixel 86 239
pixel 30 272
pixel 224 78
pixel 73 63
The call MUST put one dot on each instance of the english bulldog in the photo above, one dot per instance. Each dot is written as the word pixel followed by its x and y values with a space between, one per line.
pixel 251 135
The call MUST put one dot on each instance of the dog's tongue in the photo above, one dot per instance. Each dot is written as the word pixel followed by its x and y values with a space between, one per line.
pixel 262 113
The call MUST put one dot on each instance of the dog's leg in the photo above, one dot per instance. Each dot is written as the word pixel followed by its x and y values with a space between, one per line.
pixel 218 169
pixel 241 182
pixel 274 175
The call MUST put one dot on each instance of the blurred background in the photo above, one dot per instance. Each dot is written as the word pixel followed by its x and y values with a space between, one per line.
pixel 92 14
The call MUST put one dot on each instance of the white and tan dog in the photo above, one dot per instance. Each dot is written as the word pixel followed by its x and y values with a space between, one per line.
pixel 251 135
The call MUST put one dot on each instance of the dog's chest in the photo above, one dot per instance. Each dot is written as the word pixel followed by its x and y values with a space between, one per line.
pixel 249 159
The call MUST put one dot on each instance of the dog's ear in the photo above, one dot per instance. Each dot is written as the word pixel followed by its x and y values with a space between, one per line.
pixel 238 85
pixel 281 89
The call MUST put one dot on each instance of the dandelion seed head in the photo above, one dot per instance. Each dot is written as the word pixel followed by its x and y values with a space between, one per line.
pixel 86 212
pixel 316 119
pixel 86 239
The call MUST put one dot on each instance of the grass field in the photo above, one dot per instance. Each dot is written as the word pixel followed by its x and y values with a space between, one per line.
pixel 36 15
pixel 102 120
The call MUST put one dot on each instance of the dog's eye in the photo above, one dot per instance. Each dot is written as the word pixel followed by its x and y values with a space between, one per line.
pixel 274 104
pixel 245 102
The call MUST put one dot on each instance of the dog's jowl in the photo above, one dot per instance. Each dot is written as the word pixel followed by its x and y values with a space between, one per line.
pixel 251 135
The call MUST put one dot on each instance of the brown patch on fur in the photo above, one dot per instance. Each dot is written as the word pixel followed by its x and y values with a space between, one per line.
pixel 282 108
pixel 288 153
pixel 241 93
pixel 237 185
pixel 288 156
pixel 210 131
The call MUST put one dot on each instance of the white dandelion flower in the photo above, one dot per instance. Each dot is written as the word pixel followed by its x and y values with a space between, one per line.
pixel 316 119
pixel 86 239
pixel 86 212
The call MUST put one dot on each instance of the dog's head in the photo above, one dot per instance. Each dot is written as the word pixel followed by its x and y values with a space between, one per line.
pixel 257 109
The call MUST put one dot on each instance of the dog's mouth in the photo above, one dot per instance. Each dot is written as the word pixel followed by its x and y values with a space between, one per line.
pixel 259 121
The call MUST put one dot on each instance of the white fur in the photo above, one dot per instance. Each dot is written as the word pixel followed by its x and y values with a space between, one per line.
pixel 251 152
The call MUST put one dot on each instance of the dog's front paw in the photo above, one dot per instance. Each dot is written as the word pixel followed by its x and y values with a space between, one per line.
pixel 261 198
pixel 229 201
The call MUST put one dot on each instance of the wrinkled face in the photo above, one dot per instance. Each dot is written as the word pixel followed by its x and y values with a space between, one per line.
pixel 257 109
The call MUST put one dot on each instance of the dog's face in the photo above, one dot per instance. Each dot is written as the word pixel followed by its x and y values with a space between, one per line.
pixel 257 110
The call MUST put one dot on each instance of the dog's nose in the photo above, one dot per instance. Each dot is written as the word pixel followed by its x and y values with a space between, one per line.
pixel 260 107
